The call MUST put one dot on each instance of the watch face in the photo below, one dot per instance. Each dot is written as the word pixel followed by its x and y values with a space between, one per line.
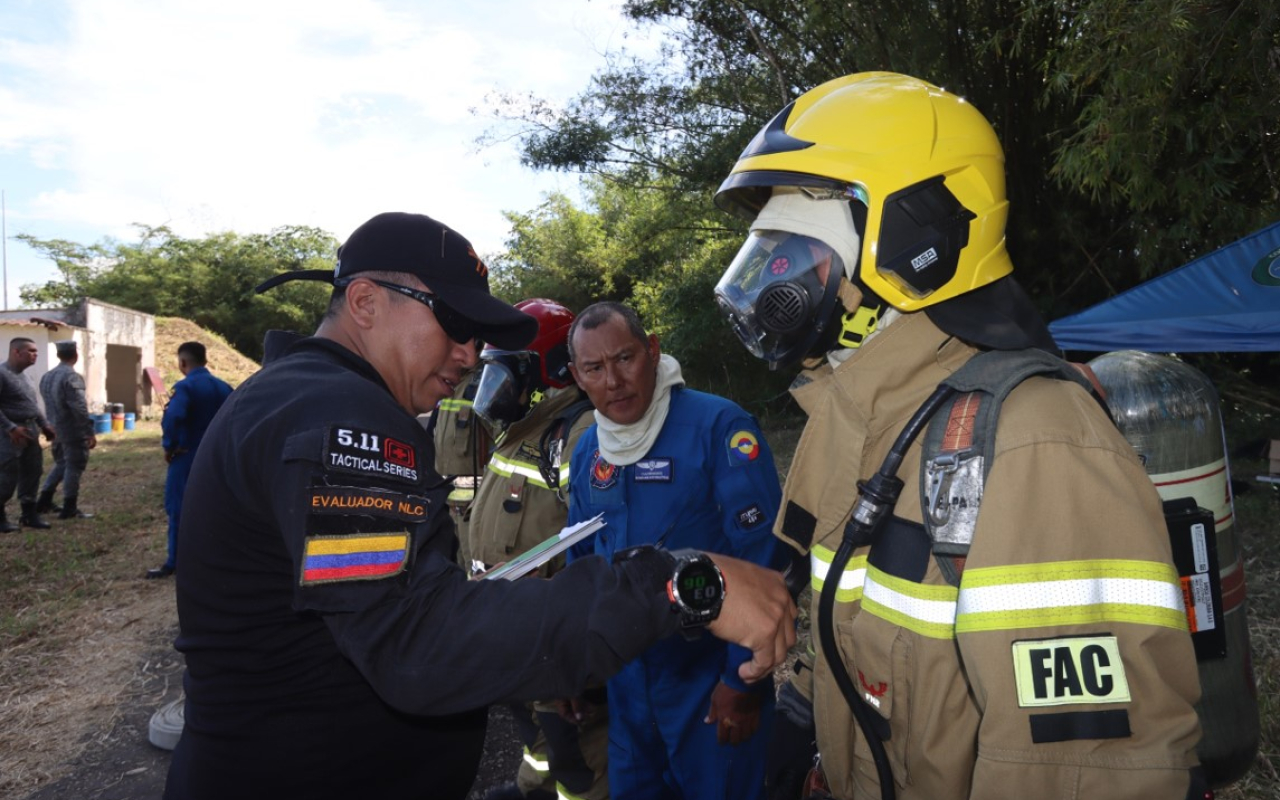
pixel 699 586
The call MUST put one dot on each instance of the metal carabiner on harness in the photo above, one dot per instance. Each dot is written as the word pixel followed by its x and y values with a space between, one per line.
pixel 939 472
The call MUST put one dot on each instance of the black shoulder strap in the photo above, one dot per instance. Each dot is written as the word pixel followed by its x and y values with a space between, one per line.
pixel 960 440
pixel 551 445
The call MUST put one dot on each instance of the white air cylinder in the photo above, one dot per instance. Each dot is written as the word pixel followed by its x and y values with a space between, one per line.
pixel 1169 412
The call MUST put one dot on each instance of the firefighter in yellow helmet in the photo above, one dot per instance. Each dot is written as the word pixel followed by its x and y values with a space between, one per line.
pixel 1043 643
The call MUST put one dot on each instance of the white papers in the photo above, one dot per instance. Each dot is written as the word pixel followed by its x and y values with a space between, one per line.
pixel 540 554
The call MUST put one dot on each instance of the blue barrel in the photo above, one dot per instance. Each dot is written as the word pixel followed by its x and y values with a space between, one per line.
pixel 101 423
pixel 130 419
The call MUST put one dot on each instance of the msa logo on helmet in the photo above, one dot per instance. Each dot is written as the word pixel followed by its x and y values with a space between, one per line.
pixel 924 259
pixel 1069 671
pixel 922 232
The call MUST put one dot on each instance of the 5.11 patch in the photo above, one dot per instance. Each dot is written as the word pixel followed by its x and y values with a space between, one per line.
pixel 371 454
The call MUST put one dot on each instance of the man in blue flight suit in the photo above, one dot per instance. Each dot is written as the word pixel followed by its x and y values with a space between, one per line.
pixel 196 399
pixel 673 467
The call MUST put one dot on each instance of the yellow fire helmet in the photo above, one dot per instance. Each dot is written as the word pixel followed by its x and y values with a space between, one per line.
pixel 926 164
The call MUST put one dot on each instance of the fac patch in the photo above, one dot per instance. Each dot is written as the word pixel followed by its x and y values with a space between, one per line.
pixel 363 452
pixel 744 447
pixel 603 474
pixel 362 500
pixel 356 557
pixel 750 516
pixel 1075 670
pixel 654 470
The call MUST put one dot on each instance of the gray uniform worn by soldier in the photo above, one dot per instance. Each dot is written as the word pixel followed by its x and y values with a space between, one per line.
pixel 529 397
pixel 62 389
pixel 21 459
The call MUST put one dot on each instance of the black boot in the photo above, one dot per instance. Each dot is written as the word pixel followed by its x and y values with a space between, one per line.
pixel 44 503
pixel 70 511
pixel 5 525
pixel 31 518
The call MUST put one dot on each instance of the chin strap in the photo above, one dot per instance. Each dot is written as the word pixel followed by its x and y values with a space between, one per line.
pixel 856 325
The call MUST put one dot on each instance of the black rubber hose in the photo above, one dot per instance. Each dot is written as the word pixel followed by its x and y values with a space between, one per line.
pixel 883 489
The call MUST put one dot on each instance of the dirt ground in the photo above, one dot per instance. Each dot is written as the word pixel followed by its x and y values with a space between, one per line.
pixel 98 748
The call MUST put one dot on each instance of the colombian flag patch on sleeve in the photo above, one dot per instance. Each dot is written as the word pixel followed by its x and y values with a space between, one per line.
pixel 362 556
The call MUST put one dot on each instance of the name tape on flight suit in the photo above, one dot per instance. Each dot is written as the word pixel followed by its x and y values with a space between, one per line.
pixel 363 452
pixel 364 500
pixel 654 470
pixel 1069 671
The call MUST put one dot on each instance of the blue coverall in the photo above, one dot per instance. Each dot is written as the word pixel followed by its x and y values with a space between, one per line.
pixel 192 406
pixel 709 483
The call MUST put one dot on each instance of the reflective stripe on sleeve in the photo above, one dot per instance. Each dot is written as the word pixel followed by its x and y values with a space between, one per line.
pixel 536 760
pixel 454 404
pixel 921 608
pixel 506 467
pixel 564 794
pixel 855 572
pixel 1070 593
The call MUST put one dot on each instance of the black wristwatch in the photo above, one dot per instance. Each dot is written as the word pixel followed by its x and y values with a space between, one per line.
pixel 695 589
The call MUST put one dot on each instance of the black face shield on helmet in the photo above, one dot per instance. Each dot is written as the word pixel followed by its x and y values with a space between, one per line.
pixel 507 382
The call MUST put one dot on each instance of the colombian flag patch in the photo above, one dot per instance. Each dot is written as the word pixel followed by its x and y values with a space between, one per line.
pixel 361 556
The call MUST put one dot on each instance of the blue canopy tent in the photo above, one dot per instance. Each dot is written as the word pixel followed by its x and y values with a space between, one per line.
pixel 1227 301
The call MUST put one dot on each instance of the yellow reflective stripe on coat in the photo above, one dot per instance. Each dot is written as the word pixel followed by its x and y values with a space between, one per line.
pixel 564 794
pixel 536 760
pixel 454 404
pixel 919 607
pixel 506 467
pixel 855 572
pixel 1070 593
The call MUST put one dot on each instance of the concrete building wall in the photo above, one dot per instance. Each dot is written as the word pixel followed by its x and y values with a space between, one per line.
pixel 121 342
pixel 115 344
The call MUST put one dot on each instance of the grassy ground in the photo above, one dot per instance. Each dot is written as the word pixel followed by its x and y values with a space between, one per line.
pixel 75 615
pixel 1258 523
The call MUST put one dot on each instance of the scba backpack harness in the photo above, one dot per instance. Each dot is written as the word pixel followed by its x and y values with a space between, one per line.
pixel 551 445
pixel 954 465
pixel 959 444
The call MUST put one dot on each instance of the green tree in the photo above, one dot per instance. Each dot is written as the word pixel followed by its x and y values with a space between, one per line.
pixel 209 281
pixel 1137 134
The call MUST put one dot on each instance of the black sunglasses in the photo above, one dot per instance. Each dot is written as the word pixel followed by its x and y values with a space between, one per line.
pixel 457 327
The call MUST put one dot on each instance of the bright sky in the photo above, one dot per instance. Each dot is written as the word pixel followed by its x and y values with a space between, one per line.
pixel 244 115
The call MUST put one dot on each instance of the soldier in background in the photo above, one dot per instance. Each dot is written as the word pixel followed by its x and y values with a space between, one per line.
pixel 190 410
pixel 21 459
pixel 62 389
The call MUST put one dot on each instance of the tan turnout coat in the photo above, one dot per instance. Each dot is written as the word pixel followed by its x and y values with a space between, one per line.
pixel 1061 666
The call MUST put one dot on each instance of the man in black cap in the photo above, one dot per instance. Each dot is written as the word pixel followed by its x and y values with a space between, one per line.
pixel 334 648
pixel 21 459
pixel 62 389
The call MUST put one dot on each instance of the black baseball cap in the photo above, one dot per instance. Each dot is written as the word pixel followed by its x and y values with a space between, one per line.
pixel 441 258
